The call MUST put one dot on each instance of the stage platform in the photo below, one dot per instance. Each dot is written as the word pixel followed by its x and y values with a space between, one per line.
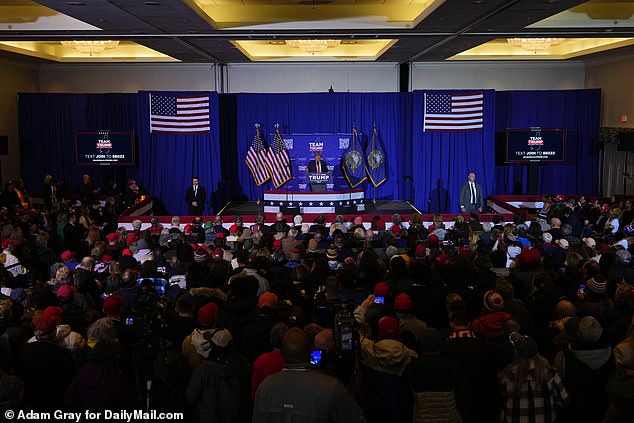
pixel 382 208
pixel 250 209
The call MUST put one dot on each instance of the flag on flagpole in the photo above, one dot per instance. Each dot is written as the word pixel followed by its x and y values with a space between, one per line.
pixel 278 161
pixel 375 161
pixel 182 114
pixel 256 158
pixel 352 162
pixel 454 112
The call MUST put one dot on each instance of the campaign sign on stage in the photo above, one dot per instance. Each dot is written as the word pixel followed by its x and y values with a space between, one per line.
pixel 302 148
pixel 319 177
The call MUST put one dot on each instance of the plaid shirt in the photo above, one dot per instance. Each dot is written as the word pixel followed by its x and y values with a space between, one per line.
pixel 533 404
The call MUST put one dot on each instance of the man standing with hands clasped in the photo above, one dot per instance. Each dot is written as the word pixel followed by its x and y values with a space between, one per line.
pixel 195 197
pixel 471 196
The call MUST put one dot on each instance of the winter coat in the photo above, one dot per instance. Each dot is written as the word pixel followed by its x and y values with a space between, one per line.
pixel 620 391
pixel 441 393
pixel 196 348
pixel 98 387
pixel 216 389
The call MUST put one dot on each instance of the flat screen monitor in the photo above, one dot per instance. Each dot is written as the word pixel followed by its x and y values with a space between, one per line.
pixel 105 148
pixel 535 145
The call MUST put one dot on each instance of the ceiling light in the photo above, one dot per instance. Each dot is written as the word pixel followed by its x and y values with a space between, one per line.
pixel 535 44
pixel 313 46
pixel 91 46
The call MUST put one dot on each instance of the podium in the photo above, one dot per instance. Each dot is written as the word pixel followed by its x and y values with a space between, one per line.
pixel 314 202
pixel 318 180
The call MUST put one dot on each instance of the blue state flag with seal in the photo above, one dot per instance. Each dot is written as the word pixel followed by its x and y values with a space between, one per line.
pixel 375 160
pixel 352 162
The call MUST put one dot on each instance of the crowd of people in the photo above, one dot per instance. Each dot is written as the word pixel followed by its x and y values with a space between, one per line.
pixel 362 320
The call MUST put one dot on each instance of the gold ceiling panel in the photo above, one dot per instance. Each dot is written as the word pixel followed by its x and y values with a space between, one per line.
pixel 592 14
pixel 569 48
pixel 323 14
pixel 25 15
pixel 346 50
pixel 126 51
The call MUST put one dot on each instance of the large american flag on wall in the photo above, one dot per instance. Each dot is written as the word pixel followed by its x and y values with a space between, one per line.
pixel 179 114
pixel 454 112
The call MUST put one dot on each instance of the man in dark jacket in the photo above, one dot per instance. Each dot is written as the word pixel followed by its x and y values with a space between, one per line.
pixel 583 364
pixel 301 394
pixel 438 382
pixel 219 385
pixel 46 369
pixel 255 337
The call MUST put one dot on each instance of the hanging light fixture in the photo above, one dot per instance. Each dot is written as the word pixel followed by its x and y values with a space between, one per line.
pixel 91 46
pixel 313 46
pixel 535 44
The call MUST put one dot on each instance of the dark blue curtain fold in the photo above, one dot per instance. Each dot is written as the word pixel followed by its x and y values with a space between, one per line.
pixel 576 110
pixel 431 166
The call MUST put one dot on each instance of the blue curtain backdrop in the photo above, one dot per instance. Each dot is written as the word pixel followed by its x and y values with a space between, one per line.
pixel 431 165
pixel 167 162
pixel 47 123
pixel 326 113
pixel 576 110
pixel 442 160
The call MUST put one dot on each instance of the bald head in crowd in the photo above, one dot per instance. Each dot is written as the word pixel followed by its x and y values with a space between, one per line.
pixel 325 340
pixel 565 309
pixel 295 346
pixel 87 263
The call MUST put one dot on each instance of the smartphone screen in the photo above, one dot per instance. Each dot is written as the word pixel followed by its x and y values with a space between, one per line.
pixel 129 321
pixel 379 300
pixel 315 357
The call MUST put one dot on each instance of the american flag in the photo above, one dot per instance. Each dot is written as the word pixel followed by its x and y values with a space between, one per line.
pixel 278 161
pixel 454 112
pixel 256 159
pixel 172 114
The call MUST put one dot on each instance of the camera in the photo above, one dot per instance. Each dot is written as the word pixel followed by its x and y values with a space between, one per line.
pixel 344 332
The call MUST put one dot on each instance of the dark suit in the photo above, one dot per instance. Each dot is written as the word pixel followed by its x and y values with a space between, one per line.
pixel 465 198
pixel 199 197
pixel 312 167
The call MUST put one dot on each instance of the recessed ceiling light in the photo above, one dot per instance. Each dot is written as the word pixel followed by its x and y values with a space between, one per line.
pixel 151 3
pixel 75 3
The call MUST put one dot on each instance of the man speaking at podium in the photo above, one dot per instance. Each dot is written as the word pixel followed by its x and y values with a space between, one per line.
pixel 317 166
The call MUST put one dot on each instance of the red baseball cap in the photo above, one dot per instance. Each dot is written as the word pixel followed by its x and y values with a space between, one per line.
pixel 66 292
pixel 382 289
pixel 208 314
pixel 403 303
pixel 268 299
pixel 112 304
